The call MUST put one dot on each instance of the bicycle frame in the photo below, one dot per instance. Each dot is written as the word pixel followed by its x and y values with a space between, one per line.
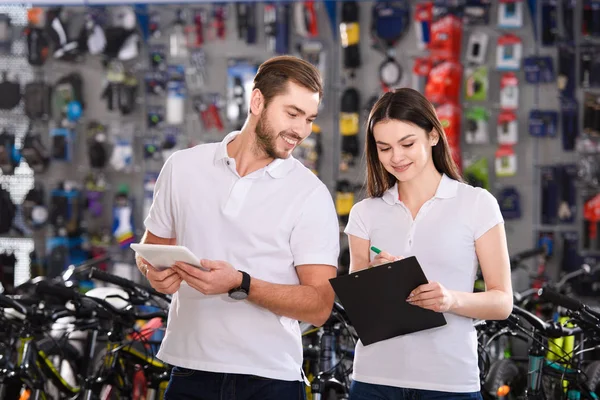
pixel 33 365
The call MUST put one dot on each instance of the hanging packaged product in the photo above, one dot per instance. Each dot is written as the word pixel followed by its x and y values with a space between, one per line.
pixel 122 155
pixel 178 48
pixel 446 37
pixel 156 116
pixel 350 35
pixel 549 194
pixel 538 69
pixel 344 199
pixel 66 207
pixel 476 83
pixel 150 179
pixel 38 100
pixel 423 18
pixel 591 18
pixel 509 52
pixel 246 21
pixel 569 117
pixel 507 128
pixel 10 157
pixel 509 91
pixel 277 26
pixel 34 207
pixel 566 70
pixel 509 200
pixel 35 153
pixel 477 12
pixel 476 172
pixel 62 144
pixel 506 161
pixel 477 48
pixel 8 211
pixel 389 23
pixel 123 218
pixel 549 22
pixel 175 107
pixel 450 117
pixel 476 129
pixel 421 69
pixel 6 33
pixel 567 208
pixel 305 19
pixel 349 127
pixel 543 123
pixel 590 65
pixel 591 217
pixel 443 84
pixel 240 75
pixel 510 14
pixel 66 48
pixel 38 46
pixel 11 93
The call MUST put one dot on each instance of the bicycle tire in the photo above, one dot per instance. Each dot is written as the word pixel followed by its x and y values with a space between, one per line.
pixel 592 372
pixel 501 372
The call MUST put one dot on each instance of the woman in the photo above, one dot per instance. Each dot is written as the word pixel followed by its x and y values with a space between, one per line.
pixel 418 206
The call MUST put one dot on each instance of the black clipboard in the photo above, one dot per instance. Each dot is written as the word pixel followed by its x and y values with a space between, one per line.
pixel 375 301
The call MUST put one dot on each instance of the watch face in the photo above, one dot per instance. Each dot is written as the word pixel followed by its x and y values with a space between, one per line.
pixel 390 72
pixel 239 295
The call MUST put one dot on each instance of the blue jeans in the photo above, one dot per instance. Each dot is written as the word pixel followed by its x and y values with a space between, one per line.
pixel 368 391
pixel 189 384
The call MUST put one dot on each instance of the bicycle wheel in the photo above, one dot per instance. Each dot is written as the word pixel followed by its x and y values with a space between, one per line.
pixel 501 380
pixel 592 374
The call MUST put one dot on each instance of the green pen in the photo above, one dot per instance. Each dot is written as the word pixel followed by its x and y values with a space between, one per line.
pixel 375 250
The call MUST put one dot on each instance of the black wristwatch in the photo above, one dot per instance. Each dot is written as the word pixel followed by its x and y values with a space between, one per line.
pixel 241 292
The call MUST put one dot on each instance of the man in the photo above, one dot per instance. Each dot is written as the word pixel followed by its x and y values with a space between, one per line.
pixel 265 227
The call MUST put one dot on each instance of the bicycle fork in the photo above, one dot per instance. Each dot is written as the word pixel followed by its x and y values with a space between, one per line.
pixel 534 376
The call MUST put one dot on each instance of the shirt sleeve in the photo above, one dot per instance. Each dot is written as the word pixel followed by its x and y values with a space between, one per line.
pixel 356 223
pixel 315 238
pixel 160 217
pixel 486 214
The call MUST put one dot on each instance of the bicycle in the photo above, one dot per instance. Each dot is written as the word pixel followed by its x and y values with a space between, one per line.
pixel 580 383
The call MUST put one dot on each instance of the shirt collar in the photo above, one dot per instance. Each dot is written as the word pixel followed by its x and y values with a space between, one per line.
pixel 277 168
pixel 446 190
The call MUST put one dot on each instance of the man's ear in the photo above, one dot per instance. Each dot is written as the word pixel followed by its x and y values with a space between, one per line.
pixel 257 102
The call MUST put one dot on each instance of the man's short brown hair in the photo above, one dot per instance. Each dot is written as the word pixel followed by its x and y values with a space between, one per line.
pixel 274 74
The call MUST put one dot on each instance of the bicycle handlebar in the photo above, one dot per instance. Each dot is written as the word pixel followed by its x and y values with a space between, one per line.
pixel 7 302
pixel 124 283
pixel 551 330
pixel 566 302
pixel 517 258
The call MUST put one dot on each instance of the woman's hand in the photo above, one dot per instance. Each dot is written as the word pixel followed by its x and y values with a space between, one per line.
pixel 433 296
pixel 383 258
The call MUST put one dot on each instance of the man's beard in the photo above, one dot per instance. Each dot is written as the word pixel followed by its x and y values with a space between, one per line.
pixel 265 138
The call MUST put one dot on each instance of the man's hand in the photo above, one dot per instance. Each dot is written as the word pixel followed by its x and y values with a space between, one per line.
pixel 166 281
pixel 383 258
pixel 220 278
pixel 433 296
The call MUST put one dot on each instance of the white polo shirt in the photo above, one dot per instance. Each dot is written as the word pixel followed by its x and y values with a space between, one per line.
pixel 265 223
pixel 442 238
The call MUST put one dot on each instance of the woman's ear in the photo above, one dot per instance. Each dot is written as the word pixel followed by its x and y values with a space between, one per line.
pixel 434 137
pixel 257 102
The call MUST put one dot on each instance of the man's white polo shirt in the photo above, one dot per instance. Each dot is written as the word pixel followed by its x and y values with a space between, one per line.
pixel 265 223
pixel 442 238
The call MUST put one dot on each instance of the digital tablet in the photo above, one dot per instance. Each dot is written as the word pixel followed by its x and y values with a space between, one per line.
pixel 163 256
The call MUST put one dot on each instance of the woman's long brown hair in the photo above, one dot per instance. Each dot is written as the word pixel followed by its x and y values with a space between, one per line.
pixel 409 106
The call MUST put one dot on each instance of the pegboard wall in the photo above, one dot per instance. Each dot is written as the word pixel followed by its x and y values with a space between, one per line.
pixel 135 130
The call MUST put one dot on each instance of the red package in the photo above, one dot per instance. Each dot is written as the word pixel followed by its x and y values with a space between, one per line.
pixel 446 37
pixel 443 84
pixel 450 116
